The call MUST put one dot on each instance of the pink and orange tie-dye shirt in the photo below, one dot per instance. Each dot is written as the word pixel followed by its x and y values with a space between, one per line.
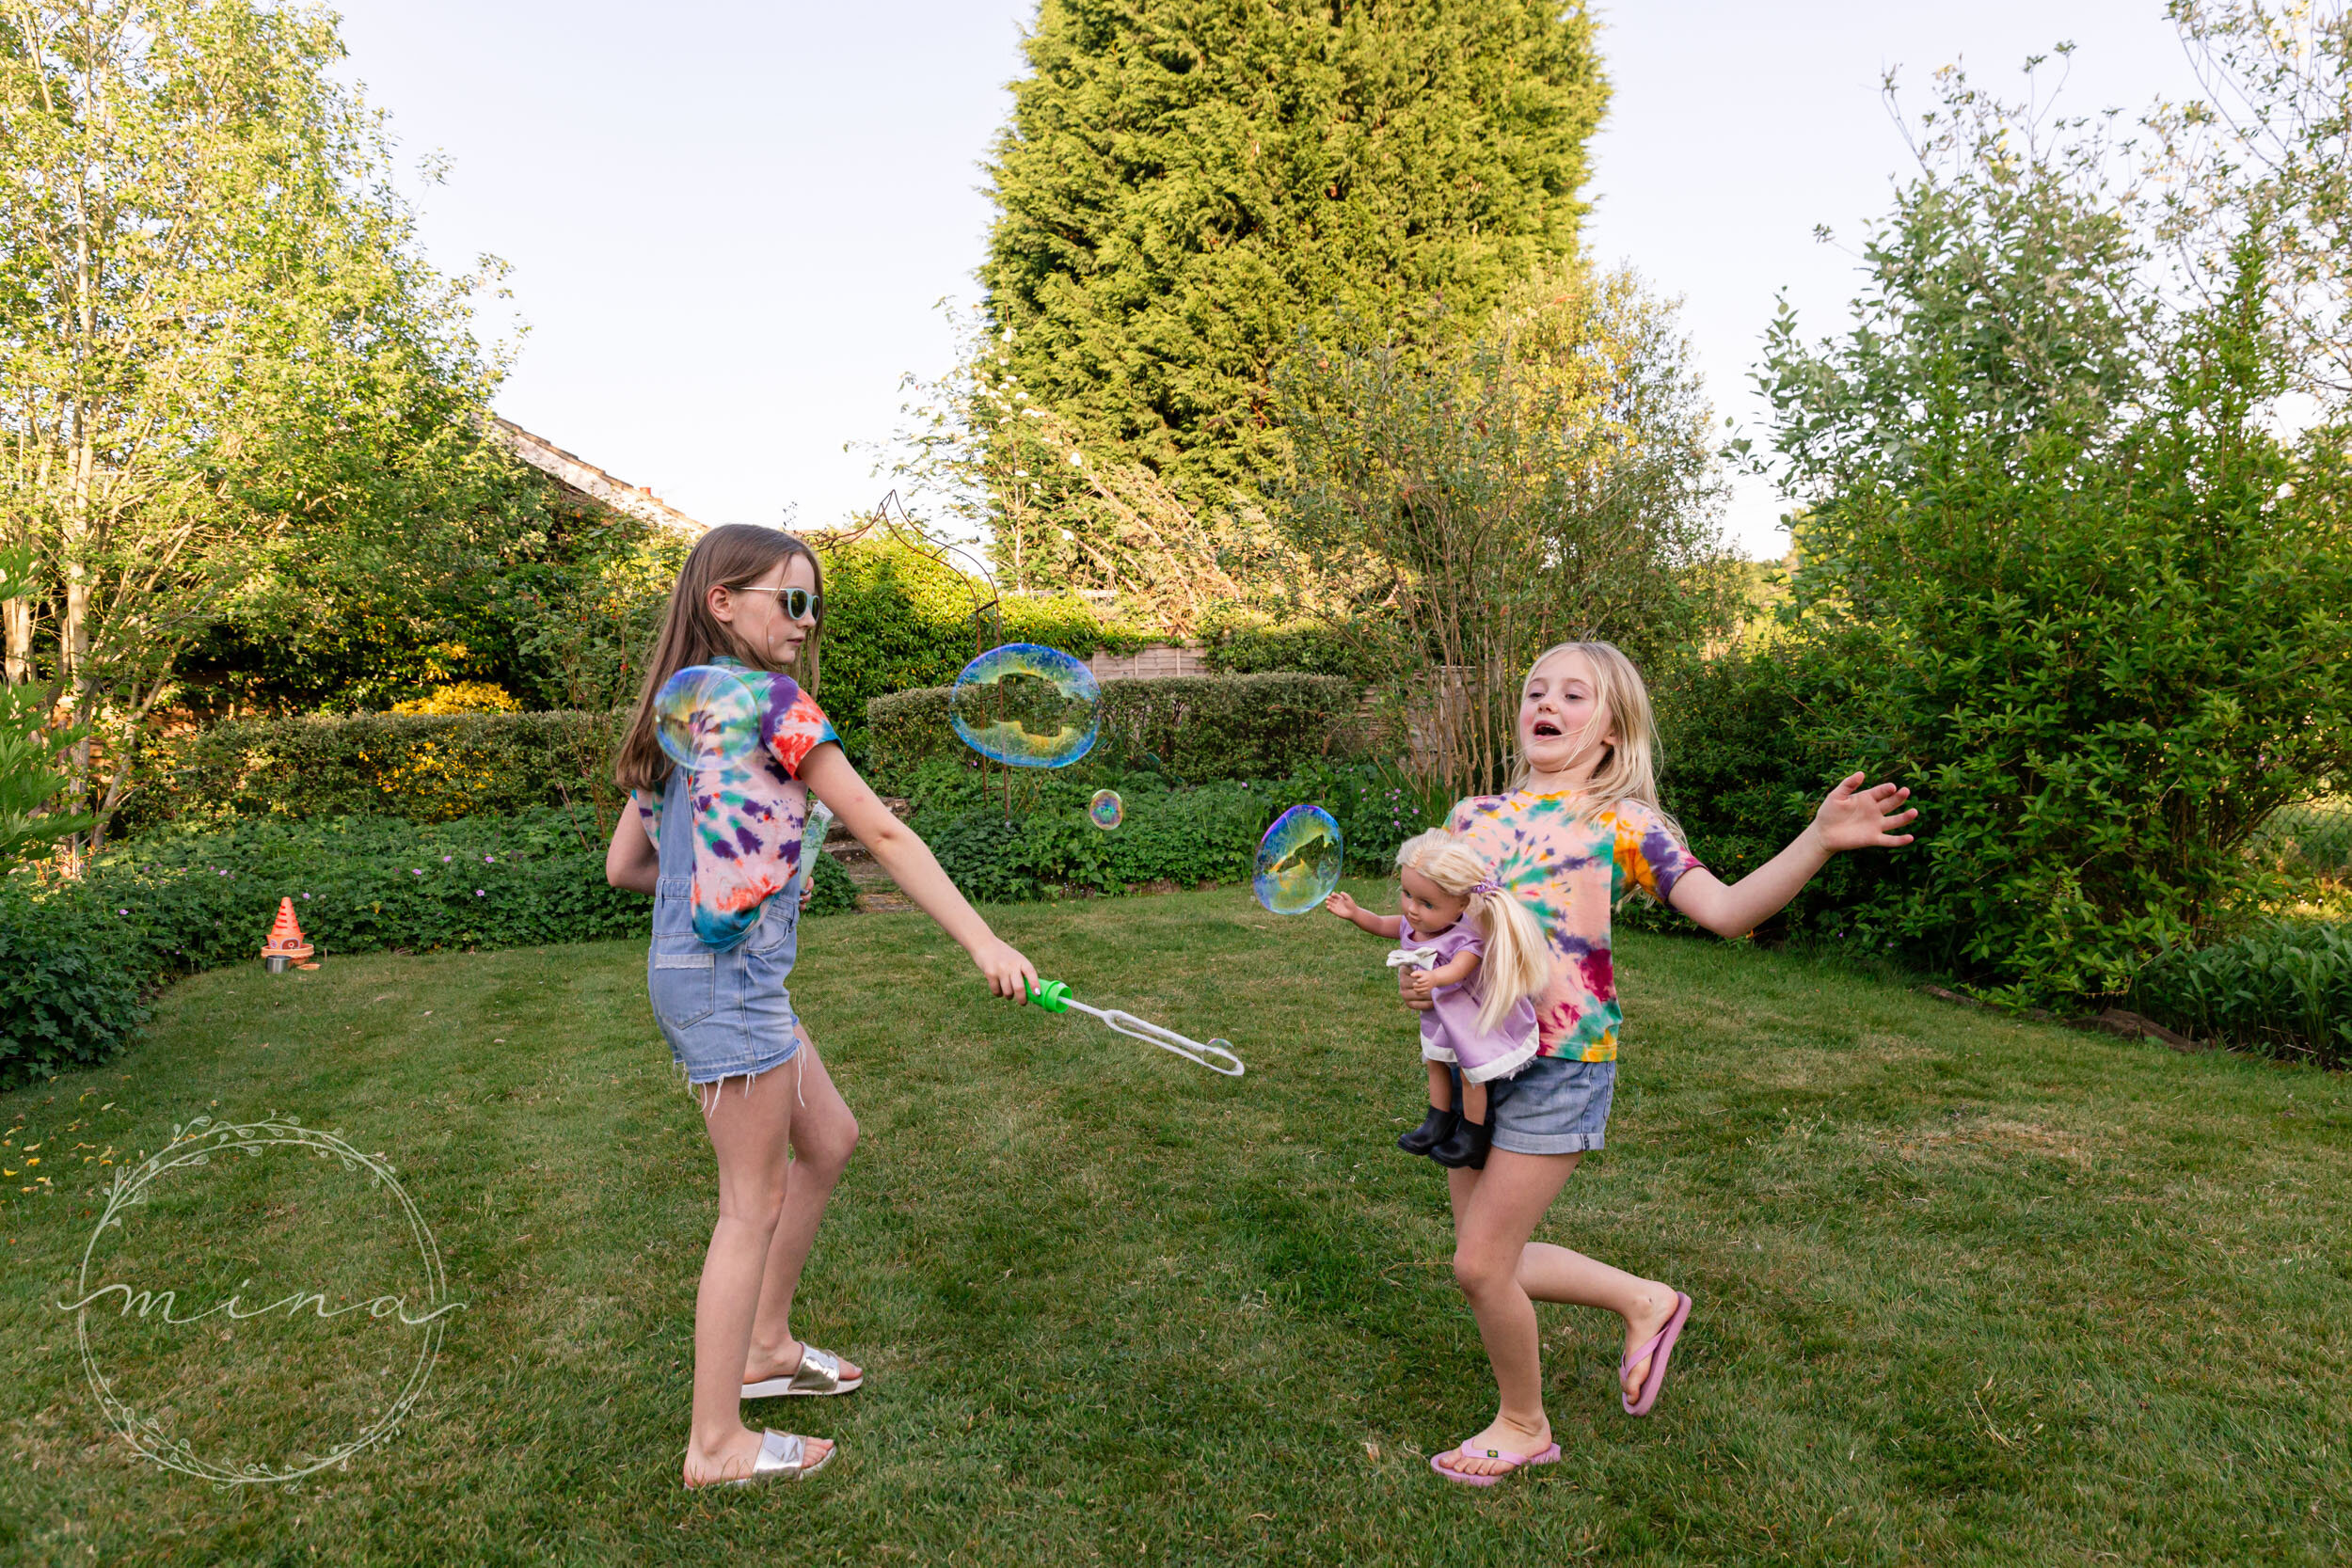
pixel 1570 870
pixel 749 812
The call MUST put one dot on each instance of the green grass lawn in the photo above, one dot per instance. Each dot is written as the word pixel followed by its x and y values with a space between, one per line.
pixel 1968 1290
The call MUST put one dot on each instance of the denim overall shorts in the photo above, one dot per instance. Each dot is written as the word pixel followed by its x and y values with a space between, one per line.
pixel 725 1014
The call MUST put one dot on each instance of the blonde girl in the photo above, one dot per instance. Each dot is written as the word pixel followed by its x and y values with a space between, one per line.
pixel 1478 956
pixel 1579 828
pixel 716 846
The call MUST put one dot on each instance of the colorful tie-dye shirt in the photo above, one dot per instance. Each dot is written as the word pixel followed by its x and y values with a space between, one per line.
pixel 749 812
pixel 1571 871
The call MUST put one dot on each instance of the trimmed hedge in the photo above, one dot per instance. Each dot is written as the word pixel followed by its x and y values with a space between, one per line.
pixel 1198 727
pixel 1173 831
pixel 896 620
pixel 422 768
pixel 76 958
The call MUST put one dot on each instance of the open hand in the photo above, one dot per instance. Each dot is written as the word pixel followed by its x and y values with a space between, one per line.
pixel 1008 974
pixel 1857 819
pixel 1343 906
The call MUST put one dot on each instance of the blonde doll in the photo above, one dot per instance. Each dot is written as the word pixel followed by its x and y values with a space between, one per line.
pixel 1477 956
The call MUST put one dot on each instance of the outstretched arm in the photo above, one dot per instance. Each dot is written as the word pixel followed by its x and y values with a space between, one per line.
pixel 911 865
pixel 1355 914
pixel 1852 818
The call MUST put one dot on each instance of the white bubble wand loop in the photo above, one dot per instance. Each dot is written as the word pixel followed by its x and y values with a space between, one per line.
pixel 1053 996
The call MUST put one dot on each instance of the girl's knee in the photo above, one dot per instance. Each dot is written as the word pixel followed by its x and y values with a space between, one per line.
pixel 1475 1274
pixel 829 1146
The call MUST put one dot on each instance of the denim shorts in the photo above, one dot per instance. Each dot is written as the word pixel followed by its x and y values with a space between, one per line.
pixel 1550 1106
pixel 725 1014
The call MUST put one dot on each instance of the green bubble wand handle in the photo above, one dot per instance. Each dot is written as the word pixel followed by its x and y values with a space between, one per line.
pixel 1055 997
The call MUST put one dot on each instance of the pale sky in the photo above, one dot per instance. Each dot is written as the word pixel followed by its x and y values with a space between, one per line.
pixel 729 223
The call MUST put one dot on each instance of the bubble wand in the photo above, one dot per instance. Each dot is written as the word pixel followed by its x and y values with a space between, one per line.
pixel 1053 996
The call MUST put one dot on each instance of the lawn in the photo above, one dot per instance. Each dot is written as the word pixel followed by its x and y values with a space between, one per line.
pixel 1968 1290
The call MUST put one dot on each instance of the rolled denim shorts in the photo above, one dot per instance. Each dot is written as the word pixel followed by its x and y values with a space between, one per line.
pixel 1550 1106
pixel 725 1014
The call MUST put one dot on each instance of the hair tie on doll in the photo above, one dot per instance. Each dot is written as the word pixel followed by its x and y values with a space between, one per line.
pixel 1488 887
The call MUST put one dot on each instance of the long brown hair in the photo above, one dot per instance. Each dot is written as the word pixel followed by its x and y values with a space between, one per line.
pixel 733 555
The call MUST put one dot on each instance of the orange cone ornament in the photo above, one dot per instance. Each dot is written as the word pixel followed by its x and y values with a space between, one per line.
pixel 285 944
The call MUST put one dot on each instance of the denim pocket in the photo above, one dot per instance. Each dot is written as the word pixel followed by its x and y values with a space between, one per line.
pixel 776 923
pixel 683 983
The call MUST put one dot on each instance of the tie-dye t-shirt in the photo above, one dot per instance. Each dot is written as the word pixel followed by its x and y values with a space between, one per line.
pixel 749 812
pixel 1571 871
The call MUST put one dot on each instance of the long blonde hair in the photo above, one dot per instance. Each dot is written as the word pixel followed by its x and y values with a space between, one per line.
pixel 1516 963
pixel 1629 766
pixel 732 555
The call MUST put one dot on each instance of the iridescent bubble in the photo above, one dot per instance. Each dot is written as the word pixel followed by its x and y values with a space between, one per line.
pixel 1107 809
pixel 1026 706
pixel 704 717
pixel 1298 861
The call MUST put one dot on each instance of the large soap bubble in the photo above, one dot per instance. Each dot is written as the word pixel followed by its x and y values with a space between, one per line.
pixel 705 716
pixel 1026 706
pixel 1298 861
pixel 1107 809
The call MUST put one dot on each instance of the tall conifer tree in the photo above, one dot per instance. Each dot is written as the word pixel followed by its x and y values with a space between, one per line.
pixel 1185 185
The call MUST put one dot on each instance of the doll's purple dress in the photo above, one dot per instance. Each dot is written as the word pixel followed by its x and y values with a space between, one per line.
pixel 1449 1030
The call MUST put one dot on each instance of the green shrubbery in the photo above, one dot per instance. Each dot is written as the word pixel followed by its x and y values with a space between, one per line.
pixel 425 768
pixel 1198 728
pixel 76 957
pixel 1173 831
pixel 2284 990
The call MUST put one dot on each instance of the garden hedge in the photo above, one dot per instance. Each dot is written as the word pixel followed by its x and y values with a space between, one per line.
pixel 76 958
pixel 423 767
pixel 1197 727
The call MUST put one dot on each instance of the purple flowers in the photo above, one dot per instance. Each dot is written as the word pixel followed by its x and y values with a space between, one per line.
pixel 477 892
pixel 414 872
pixel 487 859
pixel 444 860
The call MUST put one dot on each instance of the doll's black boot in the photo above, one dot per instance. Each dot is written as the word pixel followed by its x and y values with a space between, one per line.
pixel 1467 1148
pixel 1435 1129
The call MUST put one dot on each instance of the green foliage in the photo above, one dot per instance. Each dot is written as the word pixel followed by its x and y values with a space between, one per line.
pixel 80 954
pixel 836 892
pixel 1186 186
pixel 1174 832
pixel 2283 989
pixel 1197 727
pixel 423 767
pixel 896 619
pixel 1366 648
pixel 1550 479
pixel 2086 598
pixel 222 339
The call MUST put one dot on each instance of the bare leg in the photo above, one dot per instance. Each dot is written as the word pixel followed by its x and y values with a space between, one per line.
pixel 823 1134
pixel 750 1124
pixel 1474 1101
pixel 1440 1085
pixel 1495 1211
pixel 1504 1274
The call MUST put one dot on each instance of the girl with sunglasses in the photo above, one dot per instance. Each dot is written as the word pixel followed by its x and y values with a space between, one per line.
pixel 716 846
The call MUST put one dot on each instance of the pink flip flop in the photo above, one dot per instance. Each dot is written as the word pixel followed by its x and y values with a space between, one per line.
pixel 1658 1350
pixel 1513 1459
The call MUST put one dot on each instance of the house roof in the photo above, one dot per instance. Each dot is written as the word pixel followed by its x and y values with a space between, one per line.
pixel 576 473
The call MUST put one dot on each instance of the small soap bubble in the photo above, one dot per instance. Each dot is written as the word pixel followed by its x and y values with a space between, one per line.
pixel 705 716
pixel 1107 809
pixel 1298 861
pixel 1027 705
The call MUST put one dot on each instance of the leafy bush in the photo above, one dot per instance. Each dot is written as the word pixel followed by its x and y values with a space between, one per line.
pixel 2284 990
pixel 1198 727
pixel 77 956
pixel 1172 831
pixel 895 619
pixel 1367 649
pixel 2086 588
pixel 423 767
pixel 836 892
pixel 73 981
